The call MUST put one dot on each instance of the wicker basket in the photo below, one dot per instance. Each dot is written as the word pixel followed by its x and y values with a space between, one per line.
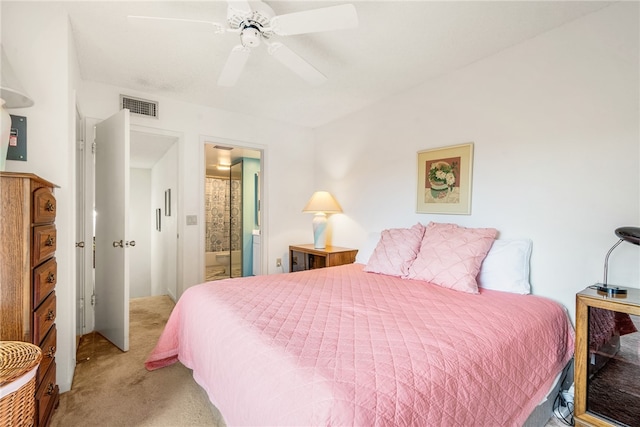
pixel 19 363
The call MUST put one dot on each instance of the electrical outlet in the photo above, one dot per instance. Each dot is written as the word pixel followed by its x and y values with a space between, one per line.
pixel 278 262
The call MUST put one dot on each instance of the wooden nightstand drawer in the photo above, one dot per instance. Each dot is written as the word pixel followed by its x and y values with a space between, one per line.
pixel 45 278
pixel 44 206
pixel 306 257
pixel 43 318
pixel 48 348
pixel 45 393
pixel 44 243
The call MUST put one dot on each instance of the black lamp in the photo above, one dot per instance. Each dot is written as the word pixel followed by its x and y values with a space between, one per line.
pixel 626 234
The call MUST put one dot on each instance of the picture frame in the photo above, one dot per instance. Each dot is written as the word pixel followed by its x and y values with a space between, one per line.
pixel 444 180
pixel 167 202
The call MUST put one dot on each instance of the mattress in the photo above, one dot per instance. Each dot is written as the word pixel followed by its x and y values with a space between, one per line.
pixel 339 346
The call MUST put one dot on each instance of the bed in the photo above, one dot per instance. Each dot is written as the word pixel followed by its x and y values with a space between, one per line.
pixel 348 346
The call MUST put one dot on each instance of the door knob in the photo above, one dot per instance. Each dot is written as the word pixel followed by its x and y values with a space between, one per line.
pixel 79 244
pixel 117 244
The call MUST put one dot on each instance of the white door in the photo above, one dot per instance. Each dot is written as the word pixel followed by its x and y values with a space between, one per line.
pixel 80 228
pixel 111 206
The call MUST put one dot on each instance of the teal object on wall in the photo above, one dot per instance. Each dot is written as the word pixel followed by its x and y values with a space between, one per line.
pixel 250 167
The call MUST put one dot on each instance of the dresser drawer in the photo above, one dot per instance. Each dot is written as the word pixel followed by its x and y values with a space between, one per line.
pixel 48 347
pixel 44 243
pixel 45 393
pixel 44 206
pixel 43 318
pixel 45 278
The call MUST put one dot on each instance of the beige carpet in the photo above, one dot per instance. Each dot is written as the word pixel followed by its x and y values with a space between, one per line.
pixel 112 388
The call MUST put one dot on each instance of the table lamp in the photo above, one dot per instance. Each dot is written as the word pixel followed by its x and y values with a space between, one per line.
pixel 626 234
pixel 11 96
pixel 321 203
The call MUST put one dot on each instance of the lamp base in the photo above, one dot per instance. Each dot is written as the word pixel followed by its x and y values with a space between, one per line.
pixel 319 230
pixel 611 290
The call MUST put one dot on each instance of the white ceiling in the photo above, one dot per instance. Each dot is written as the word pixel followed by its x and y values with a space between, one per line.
pixel 146 149
pixel 397 45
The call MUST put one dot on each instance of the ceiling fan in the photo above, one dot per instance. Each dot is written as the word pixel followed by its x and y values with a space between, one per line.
pixel 256 23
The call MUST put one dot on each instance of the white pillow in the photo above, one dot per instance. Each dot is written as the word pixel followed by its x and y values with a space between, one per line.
pixel 506 267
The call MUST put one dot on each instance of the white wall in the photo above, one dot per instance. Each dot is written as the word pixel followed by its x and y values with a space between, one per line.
pixel 141 221
pixel 288 160
pixel 164 242
pixel 555 122
pixel 36 38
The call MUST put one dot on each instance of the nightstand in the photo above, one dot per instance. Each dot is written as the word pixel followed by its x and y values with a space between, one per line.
pixel 607 358
pixel 306 257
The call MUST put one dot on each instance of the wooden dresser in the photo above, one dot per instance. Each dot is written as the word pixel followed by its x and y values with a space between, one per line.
pixel 28 276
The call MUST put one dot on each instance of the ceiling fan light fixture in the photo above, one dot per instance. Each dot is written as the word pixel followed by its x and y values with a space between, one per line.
pixel 250 36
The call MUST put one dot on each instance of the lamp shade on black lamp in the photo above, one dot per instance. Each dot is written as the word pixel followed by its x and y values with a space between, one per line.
pixel 626 234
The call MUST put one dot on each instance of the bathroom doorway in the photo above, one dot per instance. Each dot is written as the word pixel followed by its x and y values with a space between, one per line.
pixel 232 212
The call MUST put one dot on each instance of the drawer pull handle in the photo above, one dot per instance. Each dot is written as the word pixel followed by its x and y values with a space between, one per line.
pixel 49 207
pixel 50 241
pixel 50 315
pixel 118 244
pixel 50 388
pixel 51 278
pixel 51 352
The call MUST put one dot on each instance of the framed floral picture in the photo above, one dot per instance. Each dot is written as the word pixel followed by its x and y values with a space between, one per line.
pixel 444 180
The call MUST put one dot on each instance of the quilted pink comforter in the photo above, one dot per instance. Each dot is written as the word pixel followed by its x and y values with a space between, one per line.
pixel 339 346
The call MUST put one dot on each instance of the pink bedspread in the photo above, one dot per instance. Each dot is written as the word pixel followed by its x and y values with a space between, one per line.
pixel 338 346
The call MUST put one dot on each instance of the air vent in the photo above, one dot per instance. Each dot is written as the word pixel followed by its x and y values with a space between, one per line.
pixel 138 106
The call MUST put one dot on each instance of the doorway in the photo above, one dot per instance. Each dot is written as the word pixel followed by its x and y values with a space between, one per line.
pixel 153 187
pixel 232 212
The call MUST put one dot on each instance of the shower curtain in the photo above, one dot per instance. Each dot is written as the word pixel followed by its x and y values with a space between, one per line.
pixel 222 232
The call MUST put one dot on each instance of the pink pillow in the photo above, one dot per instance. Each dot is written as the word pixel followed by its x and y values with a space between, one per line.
pixel 450 256
pixel 395 251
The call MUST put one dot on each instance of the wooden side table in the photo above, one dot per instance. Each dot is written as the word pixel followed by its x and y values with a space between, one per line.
pixel 598 365
pixel 306 257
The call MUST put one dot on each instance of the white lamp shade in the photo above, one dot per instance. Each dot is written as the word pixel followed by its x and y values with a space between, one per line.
pixel 10 88
pixel 11 96
pixel 322 201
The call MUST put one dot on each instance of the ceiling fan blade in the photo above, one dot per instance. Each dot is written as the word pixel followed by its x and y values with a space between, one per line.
pixel 234 66
pixel 296 64
pixel 316 20
pixel 240 7
pixel 155 23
